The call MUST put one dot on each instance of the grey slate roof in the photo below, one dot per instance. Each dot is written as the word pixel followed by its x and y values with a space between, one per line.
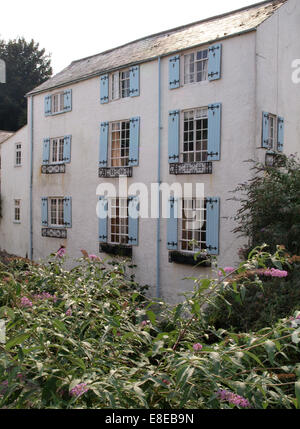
pixel 165 43
pixel 4 135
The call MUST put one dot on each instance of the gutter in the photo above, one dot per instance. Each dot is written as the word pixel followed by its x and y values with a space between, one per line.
pixel 31 181
pixel 158 181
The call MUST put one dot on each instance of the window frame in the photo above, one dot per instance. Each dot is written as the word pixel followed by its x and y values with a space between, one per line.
pixel 119 81
pixel 60 104
pixel 110 143
pixel 183 67
pixel 17 211
pixel 114 203
pixel 18 151
pixel 191 248
pixel 59 214
pixel 59 150
pixel 182 136
pixel 274 139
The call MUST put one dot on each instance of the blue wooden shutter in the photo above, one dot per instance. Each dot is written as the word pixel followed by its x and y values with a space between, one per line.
pixel 280 134
pixel 44 208
pixel 173 136
pixel 212 225
pixel 134 142
pixel 214 132
pixel 67 149
pixel 172 225
pixel 46 150
pixel 104 89
pixel 68 212
pixel 48 105
pixel 134 74
pixel 102 219
pixel 133 220
pixel 214 62
pixel 68 100
pixel 104 127
pixel 174 72
pixel 265 130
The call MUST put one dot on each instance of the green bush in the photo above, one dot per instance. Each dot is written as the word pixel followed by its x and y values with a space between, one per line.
pixel 88 338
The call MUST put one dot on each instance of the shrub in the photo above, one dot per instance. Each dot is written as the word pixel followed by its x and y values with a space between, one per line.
pixel 88 338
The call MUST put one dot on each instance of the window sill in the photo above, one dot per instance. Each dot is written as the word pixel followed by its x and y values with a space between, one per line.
pixel 189 259
pixel 110 172
pixel 53 168
pixel 17 165
pixel 190 168
pixel 17 222
pixel 56 232
pixel 116 249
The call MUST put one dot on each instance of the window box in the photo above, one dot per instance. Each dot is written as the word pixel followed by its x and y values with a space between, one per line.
pixel 53 169
pixel 54 232
pixel 116 249
pixel 190 168
pixel 115 172
pixel 189 259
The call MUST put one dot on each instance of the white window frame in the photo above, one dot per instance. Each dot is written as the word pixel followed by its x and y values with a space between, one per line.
pixel 56 213
pixel 121 160
pixel 18 154
pixel 118 221
pixel 193 225
pixel 59 150
pixel 204 72
pixel 17 211
pixel 187 156
pixel 272 132
pixel 57 103
pixel 116 90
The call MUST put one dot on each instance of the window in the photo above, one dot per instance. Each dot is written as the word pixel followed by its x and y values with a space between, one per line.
pixel 195 135
pixel 193 225
pixel 17 211
pixel 118 221
pixel 120 84
pixel 195 66
pixel 57 102
pixel 57 150
pixel 18 158
pixel 56 211
pixel 120 140
pixel 272 141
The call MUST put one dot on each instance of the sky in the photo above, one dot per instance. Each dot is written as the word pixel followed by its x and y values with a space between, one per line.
pixel 70 30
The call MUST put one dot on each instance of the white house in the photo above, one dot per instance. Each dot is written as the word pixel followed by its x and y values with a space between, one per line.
pixel 185 106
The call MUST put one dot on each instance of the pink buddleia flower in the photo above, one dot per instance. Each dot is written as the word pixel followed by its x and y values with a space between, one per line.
pixel 94 258
pixel 197 347
pixel 79 390
pixel 69 312
pixel 232 398
pixel 275 273
pixel 61 252
pixel 25 302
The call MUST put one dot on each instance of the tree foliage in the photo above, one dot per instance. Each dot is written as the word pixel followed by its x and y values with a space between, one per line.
pixel 27 66
pixel 270 206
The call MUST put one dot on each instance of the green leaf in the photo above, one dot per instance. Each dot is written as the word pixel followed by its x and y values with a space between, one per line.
pixel 151 316
pixel 19 339
pixel 270 348
pixel 59 325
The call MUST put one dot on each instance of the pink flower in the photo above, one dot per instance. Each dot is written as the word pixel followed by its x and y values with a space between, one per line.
pixel 228 270
pixel 25 302
pixel 145 322
pixel 79 390
pixel 45 295
pixel 69 312
pixel 275 273
pixel 166 381
pixel 232 398
pixel 94 257
pixel 197 347
pixel 61 252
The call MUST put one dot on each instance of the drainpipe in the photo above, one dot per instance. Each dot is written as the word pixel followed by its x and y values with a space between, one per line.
pixel 158 181
pixel 31 181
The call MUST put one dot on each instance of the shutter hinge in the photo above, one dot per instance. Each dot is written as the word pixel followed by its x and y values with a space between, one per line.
pixel 172 243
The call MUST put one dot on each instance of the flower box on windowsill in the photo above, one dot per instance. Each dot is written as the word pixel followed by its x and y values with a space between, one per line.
pixel 53 168
pixel 54 232
pixel 116 249
pixel 177 257
pixel 115 172
pixel 191 168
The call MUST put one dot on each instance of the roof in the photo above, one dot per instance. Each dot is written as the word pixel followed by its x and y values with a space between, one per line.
pixel 4 135
pixel 165 43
